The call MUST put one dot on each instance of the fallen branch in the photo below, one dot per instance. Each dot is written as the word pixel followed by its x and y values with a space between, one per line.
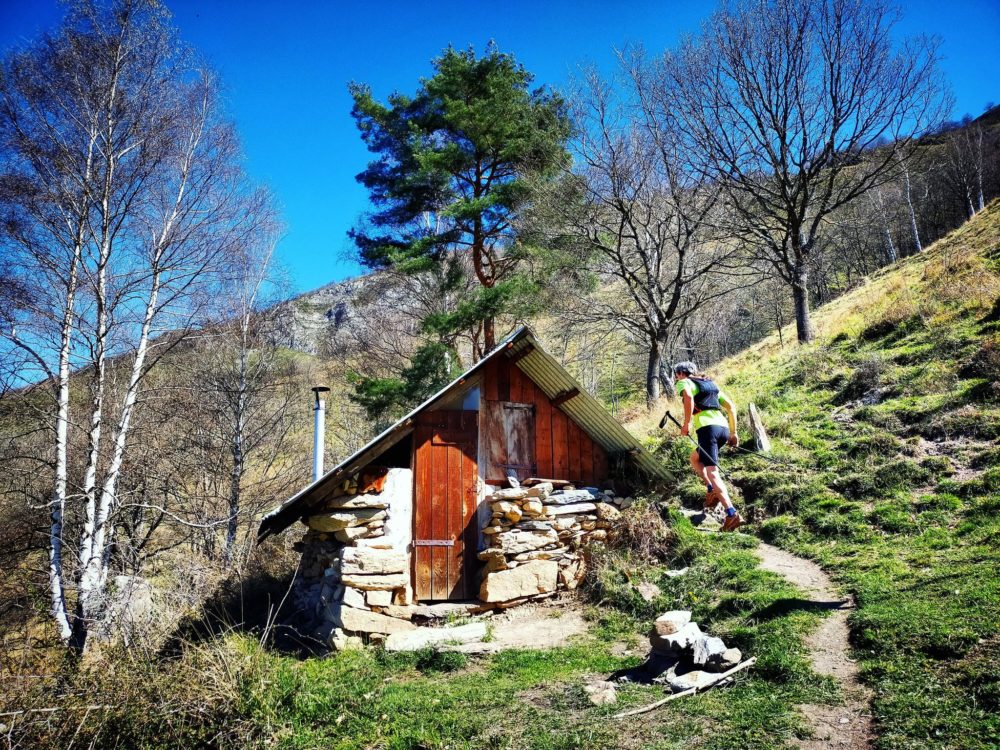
pixel 54 709
pixel 651 706
pixel 721 677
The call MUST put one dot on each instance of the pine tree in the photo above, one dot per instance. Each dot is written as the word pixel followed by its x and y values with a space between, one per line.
pixel 452 174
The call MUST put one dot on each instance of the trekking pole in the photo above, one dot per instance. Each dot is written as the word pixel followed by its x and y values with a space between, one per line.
pixel 769 459
pixel 663 423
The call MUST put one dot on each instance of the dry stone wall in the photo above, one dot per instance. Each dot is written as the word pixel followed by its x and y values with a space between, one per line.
pixel 535 535
pixel 356 561
pixel 355 574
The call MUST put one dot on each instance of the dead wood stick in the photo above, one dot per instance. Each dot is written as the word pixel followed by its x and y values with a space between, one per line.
pixel 690 691
pixel 651 706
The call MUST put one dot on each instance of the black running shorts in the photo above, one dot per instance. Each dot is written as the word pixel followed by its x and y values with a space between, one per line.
pixel 710 439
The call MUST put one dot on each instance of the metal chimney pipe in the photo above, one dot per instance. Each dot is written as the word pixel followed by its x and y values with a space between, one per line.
pixel 319 430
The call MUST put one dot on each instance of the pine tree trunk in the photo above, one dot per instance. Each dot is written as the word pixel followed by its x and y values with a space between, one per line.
pixel 489 335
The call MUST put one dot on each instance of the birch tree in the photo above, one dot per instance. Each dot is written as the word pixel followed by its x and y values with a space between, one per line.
pixel 966 165
pixel 128 200
pixel 240 386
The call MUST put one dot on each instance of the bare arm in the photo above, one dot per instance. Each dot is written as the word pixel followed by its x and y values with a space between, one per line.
pixel 730 408
pixel 688 412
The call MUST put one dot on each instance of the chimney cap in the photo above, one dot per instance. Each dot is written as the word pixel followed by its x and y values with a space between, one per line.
pixel 318 389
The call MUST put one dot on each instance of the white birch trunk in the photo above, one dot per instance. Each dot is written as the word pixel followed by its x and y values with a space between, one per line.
pixel 94 569
pixel 58 502
pixel 908 191
pixel 57 587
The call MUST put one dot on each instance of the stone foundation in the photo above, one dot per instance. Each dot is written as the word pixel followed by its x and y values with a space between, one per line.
pixel 354 578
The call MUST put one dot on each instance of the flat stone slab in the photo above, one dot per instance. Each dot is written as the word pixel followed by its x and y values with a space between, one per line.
pixel 414 640
pixel 373 582
pixel 536 629
pixel 364 621
pixel 575 508
pixel 565 497
pixel 528 579
pixel 513 542
pixel 373 561
pixel 444 609
pixel 688 680
pixel 336 521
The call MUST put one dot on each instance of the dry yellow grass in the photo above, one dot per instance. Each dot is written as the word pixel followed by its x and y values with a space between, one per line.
pixel 954 272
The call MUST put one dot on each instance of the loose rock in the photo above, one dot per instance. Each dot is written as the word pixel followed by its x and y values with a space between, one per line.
pixel 731 657
pixel 682 639
pixel 601 693
pixel 671 622
pixel 707 648
pixel 648 591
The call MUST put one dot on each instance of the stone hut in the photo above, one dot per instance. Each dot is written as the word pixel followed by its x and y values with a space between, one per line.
pixel 480 498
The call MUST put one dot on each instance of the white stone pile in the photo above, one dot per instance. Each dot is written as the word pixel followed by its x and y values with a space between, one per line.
pixel 695 655
pixel 534 537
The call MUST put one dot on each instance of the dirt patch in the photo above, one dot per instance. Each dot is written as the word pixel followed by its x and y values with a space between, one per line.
pixel 848 725
pixel 541 626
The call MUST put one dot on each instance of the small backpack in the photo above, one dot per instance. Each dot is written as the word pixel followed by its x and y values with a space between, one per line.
pixel 707 396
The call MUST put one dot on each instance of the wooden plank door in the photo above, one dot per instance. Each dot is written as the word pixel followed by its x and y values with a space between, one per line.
pixel 444 518
pixel 509 444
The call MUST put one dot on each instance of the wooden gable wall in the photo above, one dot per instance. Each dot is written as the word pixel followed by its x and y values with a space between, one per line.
pixel 562 449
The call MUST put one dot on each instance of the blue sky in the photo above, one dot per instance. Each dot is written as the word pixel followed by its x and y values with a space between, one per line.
pixel 286 66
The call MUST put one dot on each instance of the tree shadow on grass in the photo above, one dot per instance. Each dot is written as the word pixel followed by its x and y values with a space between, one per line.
pixel 784 607
pixel 259 604
pixel 776 609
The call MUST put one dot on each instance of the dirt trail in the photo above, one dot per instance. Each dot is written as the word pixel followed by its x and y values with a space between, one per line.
pixel 850 725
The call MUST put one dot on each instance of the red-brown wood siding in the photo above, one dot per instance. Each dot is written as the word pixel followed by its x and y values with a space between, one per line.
pixel 563 450
pixel 445 474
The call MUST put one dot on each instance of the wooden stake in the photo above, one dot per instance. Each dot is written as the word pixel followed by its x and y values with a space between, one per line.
pixel 761 441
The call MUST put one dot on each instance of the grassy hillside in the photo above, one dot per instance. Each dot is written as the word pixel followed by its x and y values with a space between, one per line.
pixel 888 434
pixel 890 430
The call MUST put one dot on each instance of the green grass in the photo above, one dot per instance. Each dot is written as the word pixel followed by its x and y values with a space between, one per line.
pixel 914 535
pixel 232 692
pixel 535 699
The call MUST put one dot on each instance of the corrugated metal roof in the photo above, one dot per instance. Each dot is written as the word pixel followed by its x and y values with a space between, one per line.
pixel 540 366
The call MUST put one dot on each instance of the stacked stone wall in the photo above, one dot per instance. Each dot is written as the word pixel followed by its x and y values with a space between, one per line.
pixel 535 535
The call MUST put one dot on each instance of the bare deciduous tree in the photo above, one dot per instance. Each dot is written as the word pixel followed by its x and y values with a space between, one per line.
pixel 646 218
pixel 779 99
pixel 240 385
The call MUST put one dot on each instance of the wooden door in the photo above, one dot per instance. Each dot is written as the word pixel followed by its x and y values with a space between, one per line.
pixel 509 444
pixel 444 517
